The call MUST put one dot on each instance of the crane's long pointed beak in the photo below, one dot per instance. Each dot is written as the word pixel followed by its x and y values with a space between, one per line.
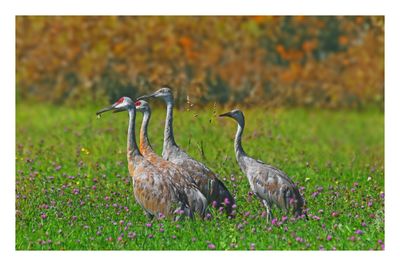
pixel 228 114
pixel 146 96
pixel 109 108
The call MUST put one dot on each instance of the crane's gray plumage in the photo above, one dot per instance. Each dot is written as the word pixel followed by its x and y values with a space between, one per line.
pixel 202 176
pixel 270 184
pixel 153 189
pixel 179 176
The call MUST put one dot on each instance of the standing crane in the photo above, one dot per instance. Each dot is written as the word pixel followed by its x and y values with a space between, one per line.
pixel 208 183
pixel 153 190
pixel 179 176
pixel 271 185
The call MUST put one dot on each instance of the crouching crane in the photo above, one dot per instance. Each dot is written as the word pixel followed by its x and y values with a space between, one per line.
pixel 208 183
pixel 271 185
pixel 153 189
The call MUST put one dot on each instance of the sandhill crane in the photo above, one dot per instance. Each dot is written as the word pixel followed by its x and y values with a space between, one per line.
pixel 153 190
pixel 208 183
pixel 271 185
pixel 179 176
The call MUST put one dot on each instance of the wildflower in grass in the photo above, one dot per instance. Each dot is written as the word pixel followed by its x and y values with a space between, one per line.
pixel 274 221
pixel 234 206
pixel 299 239
pixel 214 204
pixel 161 230
pixel 246 214
pixel 211 246
pixel 85 151
pixel 252 246
pixel 58 168
pixel 363 224
pixel 94 187
pixel 285 229
pixel 119 239
pixel 334 214
pixel 109 239
pixel 86 227
pixel 314 194
pixel 131 235
pixel 106 198
pixel 43 216
pixel 173 236
pixel 382 195
pixel 226 201
pixel 208 216
pixel 150 236
pixel 359 232
pixel 315 217
pixel 194 239
pixel 75 191
pixel 121 222
pixel 369 203
pixel 352 238
pixel 329 237
pixel 148 225
pixel 284 218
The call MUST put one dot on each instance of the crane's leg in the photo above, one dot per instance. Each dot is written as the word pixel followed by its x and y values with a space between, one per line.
pixel 269 211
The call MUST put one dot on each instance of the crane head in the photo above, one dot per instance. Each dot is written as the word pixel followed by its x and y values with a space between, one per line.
pixel 142 106
pixel 235 114
pixel 123 104
pixel 165 92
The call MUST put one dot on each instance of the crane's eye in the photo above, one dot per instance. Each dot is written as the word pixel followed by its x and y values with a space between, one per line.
pixel 120 100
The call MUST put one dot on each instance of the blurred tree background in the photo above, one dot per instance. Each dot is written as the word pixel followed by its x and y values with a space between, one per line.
pixel 318 61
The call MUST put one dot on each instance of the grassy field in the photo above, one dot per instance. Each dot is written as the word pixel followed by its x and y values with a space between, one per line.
pixel 73 191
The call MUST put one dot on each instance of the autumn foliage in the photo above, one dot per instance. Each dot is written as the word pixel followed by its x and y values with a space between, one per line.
pixel 296 61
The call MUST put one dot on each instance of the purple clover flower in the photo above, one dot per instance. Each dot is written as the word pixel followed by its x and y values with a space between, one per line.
pixel 359 232
pixel 211 246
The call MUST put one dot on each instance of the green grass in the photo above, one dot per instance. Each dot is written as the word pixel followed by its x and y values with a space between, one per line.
pixel 73 191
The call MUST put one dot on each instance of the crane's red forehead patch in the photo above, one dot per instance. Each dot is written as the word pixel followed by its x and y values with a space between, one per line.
pixel 138 103
pixel 120 100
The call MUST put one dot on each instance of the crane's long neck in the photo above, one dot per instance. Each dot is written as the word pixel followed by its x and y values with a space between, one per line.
pixel 169 140
pixel 238 141
pixel 132 149
pixel 144 139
